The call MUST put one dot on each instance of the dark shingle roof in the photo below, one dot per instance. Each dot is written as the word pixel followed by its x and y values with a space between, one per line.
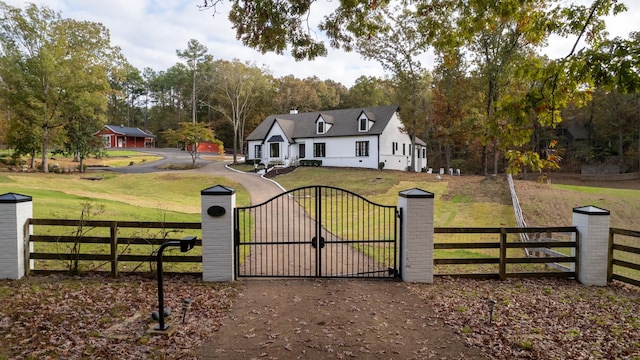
pixel 344 123
pixel 129 131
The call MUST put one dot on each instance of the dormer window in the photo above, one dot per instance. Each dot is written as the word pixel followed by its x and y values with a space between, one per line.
pixel 364 123
pixel 323 124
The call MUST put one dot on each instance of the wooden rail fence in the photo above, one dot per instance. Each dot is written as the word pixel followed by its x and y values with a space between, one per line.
pixel 108 242
pixel 624 256
pixel 504 258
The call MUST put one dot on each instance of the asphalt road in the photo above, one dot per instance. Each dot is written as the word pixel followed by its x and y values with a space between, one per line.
pixel 169 156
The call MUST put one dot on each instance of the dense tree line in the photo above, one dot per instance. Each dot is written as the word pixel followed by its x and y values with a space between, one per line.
pixel 491 103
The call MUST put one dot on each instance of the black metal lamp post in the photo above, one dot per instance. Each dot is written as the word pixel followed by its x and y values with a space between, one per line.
pixel 186 244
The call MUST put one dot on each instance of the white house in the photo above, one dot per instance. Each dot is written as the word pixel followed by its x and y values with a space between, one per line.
pixel 363 137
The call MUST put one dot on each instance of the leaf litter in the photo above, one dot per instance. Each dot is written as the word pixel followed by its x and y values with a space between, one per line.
pixel 50 317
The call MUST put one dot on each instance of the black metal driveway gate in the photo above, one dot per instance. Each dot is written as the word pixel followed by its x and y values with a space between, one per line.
pixel 317 231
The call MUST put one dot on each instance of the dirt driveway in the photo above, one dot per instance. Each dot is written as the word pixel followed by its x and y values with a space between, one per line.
pixel 333 319
pixel 328 319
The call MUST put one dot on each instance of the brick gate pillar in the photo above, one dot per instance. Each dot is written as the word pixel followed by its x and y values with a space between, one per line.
pixel 593 249
pixel 416 238
pixel 15 210
pixel 218 255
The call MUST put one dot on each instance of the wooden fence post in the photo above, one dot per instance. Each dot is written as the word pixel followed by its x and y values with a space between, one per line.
pixel 610 258
pixel 503 254
pixel 28 247
pixel 114 249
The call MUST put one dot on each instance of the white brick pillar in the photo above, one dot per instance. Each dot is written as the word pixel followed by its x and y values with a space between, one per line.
pixel 218 204
pixel 15 210
pixel 416 239
pixel 593 247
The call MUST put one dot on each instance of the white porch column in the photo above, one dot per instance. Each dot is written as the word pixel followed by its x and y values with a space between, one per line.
pixel 15 210
pixel 593 229
pixel 416 257
pixel 218 255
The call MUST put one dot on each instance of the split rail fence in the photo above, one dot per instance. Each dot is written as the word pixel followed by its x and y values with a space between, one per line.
pixel 55 245
pixel 624 256
pixel 499 253
pixel 114 246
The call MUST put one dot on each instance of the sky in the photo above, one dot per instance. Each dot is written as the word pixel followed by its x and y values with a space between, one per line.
pixel 150 31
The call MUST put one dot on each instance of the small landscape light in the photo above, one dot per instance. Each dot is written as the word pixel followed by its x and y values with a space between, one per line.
pixel 186 305
pixel 492 305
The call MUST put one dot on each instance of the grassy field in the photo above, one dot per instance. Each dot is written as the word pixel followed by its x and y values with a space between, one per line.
pixel 111 158
pixel 145 197
pixel 459 201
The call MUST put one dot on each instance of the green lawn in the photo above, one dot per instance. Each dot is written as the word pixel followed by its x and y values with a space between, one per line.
pixel 455 204
pixel 143 197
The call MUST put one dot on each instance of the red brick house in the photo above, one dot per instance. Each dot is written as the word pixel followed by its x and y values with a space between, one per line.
pixel 126 137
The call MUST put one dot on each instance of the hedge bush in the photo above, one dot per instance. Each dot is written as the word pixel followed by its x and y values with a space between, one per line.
pixel 310 162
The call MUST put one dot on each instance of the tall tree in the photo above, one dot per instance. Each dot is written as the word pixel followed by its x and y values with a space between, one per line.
pixel 48 64
pixel 279 25
pixel 368 91
pixel 498 35
pixel 454 116
pixel 127 89
pixel 193 55
pixel 295 94
pixel 237 87
pixel 397 46
pixel 614 66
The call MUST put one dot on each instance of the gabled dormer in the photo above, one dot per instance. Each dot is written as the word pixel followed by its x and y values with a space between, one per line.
pixel 323 124
pixel 365 122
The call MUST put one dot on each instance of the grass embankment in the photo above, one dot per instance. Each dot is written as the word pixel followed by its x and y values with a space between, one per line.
pixel 551 205
pixel 133 197
pixel 459 201
pixel 157 197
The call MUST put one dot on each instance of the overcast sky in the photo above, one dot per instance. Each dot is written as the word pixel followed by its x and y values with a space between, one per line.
pixel 150 31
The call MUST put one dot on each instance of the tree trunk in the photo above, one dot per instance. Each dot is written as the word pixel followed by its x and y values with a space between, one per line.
pixel 447 155
pixel 413 153
pixel 32 165
pixel 235 145
pixel 496 155
pixel 45 151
